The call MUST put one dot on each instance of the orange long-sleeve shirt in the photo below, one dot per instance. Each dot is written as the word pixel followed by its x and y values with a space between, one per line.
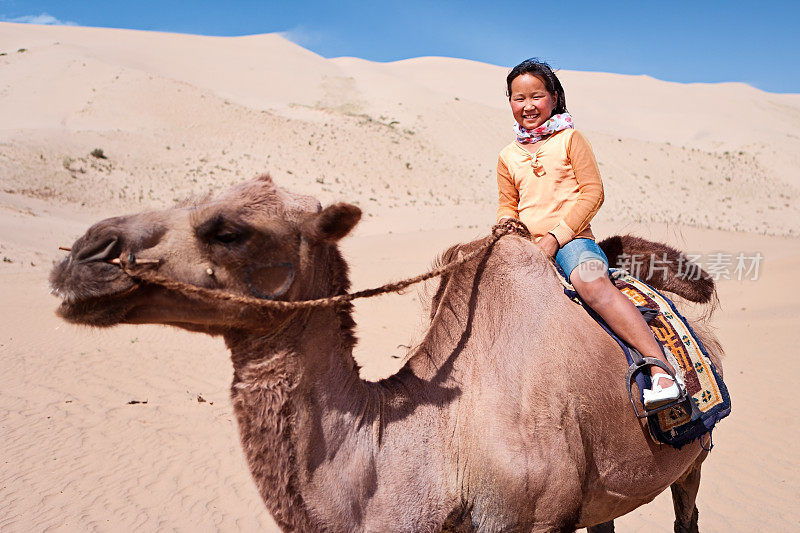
pixel 562 198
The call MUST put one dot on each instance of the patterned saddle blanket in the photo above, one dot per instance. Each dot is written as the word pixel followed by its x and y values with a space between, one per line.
pixel 709 400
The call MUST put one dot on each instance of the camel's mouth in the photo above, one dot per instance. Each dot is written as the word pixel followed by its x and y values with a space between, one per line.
pixel 95 293
pixel 77 296
pixel 102 295
pixel 102 311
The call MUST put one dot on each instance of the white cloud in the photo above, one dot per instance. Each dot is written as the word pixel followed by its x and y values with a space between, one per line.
pixel 44 18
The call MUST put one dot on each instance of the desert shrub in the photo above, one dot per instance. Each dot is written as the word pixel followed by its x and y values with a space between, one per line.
pixel 98 153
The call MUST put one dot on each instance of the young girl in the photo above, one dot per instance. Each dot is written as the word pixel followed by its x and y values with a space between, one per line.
pixel 548 178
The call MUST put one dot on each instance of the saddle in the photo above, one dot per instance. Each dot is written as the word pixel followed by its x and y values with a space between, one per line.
pixel 705 399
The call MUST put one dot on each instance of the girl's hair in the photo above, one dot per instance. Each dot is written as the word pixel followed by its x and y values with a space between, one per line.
pixel 541 70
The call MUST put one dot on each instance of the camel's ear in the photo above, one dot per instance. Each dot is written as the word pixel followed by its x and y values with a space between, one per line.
pixel 332 223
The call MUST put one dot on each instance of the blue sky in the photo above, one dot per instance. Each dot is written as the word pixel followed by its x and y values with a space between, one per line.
pixel 755 42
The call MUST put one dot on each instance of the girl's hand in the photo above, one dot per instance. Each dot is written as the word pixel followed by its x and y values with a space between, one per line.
pixel 512 225
pixel 548 244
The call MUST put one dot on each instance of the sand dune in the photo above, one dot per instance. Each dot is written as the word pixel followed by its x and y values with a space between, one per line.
pixel 414 143
pixel 216 110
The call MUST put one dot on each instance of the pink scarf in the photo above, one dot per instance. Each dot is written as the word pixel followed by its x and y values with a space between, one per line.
pixel 555 123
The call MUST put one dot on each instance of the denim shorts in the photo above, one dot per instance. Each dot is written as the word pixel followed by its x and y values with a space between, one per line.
pixel 578 251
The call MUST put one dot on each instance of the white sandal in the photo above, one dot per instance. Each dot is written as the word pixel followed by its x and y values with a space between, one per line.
pixel 656 396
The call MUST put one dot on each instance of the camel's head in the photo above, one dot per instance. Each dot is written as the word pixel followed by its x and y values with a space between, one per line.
pixel 255 240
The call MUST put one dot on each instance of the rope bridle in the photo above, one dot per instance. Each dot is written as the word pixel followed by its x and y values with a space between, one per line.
pixel 137 270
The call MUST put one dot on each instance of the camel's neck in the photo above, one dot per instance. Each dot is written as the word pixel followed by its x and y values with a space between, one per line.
pixel 302 409
pixel 308 423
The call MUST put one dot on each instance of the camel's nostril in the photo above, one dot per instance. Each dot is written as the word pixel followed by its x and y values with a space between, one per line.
pixel 100 251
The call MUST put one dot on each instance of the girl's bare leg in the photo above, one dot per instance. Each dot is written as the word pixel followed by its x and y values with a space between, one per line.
pixel 594 286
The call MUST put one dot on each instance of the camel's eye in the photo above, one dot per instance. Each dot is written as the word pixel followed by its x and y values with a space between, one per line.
pixel 220 230
pixel 227 237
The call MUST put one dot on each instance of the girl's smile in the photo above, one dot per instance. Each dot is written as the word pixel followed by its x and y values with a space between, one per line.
pixel 531 104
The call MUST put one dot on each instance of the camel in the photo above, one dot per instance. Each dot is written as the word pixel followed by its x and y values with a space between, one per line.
pixel 488 426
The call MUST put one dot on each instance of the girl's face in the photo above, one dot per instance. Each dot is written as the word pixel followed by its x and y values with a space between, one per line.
pixel 531 104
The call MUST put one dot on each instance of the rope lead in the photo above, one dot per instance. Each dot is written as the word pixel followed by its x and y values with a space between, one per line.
pixel 498 231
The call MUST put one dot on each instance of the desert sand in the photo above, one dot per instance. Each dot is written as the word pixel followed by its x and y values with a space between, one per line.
pixel 708 168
